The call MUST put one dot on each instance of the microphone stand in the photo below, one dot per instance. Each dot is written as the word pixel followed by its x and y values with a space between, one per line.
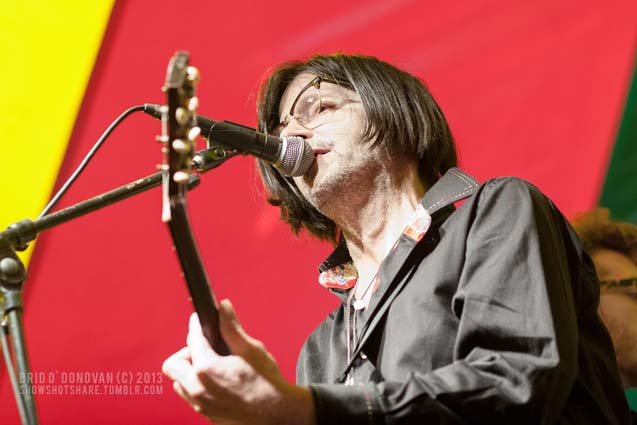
pixel 13 273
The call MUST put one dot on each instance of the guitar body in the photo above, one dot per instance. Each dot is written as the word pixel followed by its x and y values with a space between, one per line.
pixel 179 133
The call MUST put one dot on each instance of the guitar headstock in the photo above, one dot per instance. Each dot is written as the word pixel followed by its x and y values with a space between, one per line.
pixel 179 129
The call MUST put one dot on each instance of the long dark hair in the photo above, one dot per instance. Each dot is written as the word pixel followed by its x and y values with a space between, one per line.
pixel 402 116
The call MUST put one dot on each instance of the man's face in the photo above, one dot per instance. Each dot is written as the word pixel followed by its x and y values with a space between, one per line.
pixel 342 160
pixel 613 265
pixel 618 309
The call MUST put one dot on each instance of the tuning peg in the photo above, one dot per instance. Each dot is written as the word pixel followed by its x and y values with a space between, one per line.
pixel 193 74
pixel 193 104
pixel 182 115
pixel 181 177
pixel 180 146
pixel 194 133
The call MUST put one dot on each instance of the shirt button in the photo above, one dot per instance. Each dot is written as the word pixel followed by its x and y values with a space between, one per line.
pixel 363 356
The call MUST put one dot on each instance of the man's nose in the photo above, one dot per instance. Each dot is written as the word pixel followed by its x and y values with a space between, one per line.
pixel 295 128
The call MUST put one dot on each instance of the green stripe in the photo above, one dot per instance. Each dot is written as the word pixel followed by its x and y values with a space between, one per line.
pixel 631 395
pixel 619 192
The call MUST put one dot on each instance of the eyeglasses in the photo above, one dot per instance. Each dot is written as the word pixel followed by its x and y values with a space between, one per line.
pixel 308 105
pixel 623 283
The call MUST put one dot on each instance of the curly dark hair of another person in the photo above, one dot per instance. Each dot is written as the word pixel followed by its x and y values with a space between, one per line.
pixel 597 230
pixel 402 116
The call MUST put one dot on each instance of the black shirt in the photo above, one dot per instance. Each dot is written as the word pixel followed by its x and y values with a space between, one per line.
pixel 491 318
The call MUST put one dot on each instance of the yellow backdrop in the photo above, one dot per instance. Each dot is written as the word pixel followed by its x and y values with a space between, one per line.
pixel 48 49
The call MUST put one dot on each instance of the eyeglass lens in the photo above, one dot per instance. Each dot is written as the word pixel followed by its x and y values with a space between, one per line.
pixel 307 106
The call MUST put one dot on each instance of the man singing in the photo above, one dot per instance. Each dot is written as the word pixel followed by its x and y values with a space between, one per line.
pixel 484 314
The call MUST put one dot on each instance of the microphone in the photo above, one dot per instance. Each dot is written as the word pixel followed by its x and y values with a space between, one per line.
pixel 292 156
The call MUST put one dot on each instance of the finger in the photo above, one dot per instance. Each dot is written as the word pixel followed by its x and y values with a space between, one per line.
pixel 200 350
pixel 177 365
pixel 231 329
pixel 206 366
pixel 239 342
pixel 179 368
pixel 182 393
pixel 204 405
pixel 195 332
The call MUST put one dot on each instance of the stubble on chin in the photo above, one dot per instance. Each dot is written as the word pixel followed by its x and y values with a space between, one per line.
pixel 313 195
pixel 336 187
pixel 329 194
pixel 321 193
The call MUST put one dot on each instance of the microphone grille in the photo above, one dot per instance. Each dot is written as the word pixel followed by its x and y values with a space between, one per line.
pixel 297 157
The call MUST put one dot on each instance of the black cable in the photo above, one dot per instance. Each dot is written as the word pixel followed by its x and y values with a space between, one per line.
pixel 88 157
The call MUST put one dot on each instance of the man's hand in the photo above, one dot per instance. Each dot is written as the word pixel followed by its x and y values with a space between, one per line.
pixel 243 388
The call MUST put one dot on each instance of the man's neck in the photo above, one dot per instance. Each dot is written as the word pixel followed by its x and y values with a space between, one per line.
pixel 372 225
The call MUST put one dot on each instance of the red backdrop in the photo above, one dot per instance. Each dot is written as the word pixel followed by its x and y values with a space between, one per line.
pixel 533 89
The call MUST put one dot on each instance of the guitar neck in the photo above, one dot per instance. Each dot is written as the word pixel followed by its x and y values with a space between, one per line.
pixel 196 277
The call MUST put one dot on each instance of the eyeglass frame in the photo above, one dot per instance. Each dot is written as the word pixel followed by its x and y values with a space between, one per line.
pixel 621 283
pixel 315 82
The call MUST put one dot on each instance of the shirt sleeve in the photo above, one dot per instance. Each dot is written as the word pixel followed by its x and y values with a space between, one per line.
pixel 515 355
